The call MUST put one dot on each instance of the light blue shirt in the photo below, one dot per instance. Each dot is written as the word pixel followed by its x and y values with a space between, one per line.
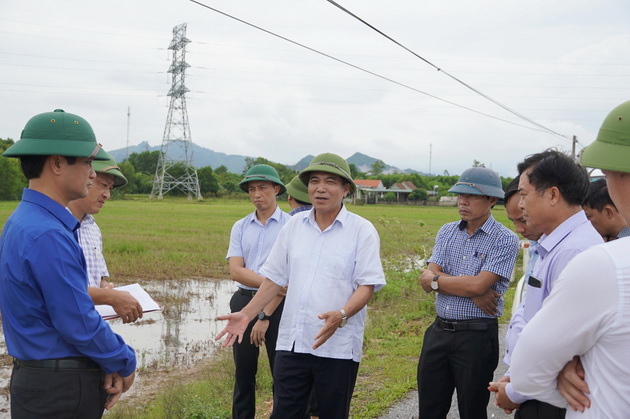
pixel 46 310
pixel 91 241
pixel 252 241
pixel 555 250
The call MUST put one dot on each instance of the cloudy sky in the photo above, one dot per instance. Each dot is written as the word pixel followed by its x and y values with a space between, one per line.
pixel 563 64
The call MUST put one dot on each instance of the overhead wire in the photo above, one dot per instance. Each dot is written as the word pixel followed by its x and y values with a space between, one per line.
pixel 406 86
pixel 496 102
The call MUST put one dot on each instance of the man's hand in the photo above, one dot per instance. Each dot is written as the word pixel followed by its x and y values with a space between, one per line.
pixel 237 324
pixel 426 277
pixel 126 306
pixel 332 320
pixel 106 284
pixel 257 337
pixel 488 302
pixel 115 386
pixel 572 386
pixel 501 398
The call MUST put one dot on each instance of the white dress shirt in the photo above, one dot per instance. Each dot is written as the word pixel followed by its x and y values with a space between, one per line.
pixel 91 242
pixel 323 269
pixel 587 313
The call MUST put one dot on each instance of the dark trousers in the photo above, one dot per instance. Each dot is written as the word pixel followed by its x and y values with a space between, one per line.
pixel 246 359
pixel 464 360
pixel 534 409
pixel 64 393
pixel 296 374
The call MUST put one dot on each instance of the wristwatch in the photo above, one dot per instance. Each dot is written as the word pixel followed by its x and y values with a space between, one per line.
pixel 434 283
pixel 344 318
pixel 263 316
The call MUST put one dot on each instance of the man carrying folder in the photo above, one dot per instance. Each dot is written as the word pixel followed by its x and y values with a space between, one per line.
pixel 67 360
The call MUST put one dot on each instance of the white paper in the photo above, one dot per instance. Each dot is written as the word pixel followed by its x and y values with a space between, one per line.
pixel 148 304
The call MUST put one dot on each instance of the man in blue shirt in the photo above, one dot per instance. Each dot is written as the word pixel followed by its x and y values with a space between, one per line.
pixel 470 268
pixel 67 361
pixel 552 189
pixel 251 241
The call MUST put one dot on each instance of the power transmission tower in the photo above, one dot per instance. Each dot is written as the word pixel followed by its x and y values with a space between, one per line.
pixel 175 167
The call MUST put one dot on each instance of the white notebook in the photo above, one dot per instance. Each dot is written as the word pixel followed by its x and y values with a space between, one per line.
pixel 148 304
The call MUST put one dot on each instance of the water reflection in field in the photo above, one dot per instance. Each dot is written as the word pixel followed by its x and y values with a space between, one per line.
pixel 178 336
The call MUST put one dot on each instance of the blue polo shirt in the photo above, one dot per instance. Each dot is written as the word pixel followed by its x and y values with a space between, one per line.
pixel 46 310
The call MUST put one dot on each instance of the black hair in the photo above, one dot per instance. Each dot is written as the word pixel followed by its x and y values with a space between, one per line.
pixel 32 166
pixel 598 196
pixel 553 168
pixel 512 189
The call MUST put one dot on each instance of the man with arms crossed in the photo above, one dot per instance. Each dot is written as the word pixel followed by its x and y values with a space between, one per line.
pixel 329 258
pixel 67 361
pixel 250 243
pixel 108 177
pixel 588 311
pixel 470 268
pixel 552 189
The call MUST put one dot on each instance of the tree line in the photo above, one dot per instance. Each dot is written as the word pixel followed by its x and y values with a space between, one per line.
pixel 139 169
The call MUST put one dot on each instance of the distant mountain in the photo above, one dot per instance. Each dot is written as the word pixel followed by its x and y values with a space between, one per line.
pixel 236 163
pixel 201 156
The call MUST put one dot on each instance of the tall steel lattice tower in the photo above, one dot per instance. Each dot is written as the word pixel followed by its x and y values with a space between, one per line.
pixel 175 167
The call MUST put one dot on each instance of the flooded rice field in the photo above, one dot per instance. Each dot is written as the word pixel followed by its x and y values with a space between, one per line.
pixel 179 336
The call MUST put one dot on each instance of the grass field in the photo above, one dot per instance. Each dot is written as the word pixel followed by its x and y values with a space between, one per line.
pixel 176 238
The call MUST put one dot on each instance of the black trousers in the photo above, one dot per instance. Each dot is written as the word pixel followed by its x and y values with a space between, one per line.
pixel 534 409
pixel 296 374
pixel 246 359
pixel 63 393
pixel 464 360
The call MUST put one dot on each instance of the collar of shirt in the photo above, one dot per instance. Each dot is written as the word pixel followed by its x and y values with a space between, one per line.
pixel 548 242
pixel 88 219
pixel 52 206
pixel 275 216
pixel 340 218
pixel 300 209
pixel 625 232
pixel 487 227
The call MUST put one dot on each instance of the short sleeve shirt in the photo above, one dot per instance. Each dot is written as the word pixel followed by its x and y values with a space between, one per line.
pixel 91 242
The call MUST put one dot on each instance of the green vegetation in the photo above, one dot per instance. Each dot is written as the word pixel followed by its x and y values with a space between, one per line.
pixel 177 238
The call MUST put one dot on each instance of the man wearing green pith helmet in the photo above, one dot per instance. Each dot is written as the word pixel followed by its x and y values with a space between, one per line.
pixel 67 361
pixel 108 177
pixel 251 240
pixel 329 258
pixel 586 317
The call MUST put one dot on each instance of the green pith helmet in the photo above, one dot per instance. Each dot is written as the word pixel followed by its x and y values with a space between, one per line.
pixel 57 133
pixel 479 181
pixel 111 168
pixel 611 148
pixel 262 172
pixel 329 163
pixel 298 190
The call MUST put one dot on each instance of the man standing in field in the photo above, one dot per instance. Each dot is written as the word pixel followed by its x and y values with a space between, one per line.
pixel 552 189
pixel 329 258
pixel 250 242
pixel 603 214
pixel 470 268
pixel 588 311
pixel 67 360
pixel 108 177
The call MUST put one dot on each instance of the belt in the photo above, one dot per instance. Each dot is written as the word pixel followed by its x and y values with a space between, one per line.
pixel 60 364
pixel 249 293
pixel 473 324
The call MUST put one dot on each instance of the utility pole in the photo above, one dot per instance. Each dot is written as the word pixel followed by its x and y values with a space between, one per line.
pixel 573 143
pixel 430 156
pixel 128 126
pixel 175 167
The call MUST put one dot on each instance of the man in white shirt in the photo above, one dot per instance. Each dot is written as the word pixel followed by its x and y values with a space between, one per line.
pixel 330 259
pixel 588 311
pixel 108 177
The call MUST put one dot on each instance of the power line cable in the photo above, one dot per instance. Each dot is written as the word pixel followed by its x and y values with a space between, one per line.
pixel 496 102
pixel 546 130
